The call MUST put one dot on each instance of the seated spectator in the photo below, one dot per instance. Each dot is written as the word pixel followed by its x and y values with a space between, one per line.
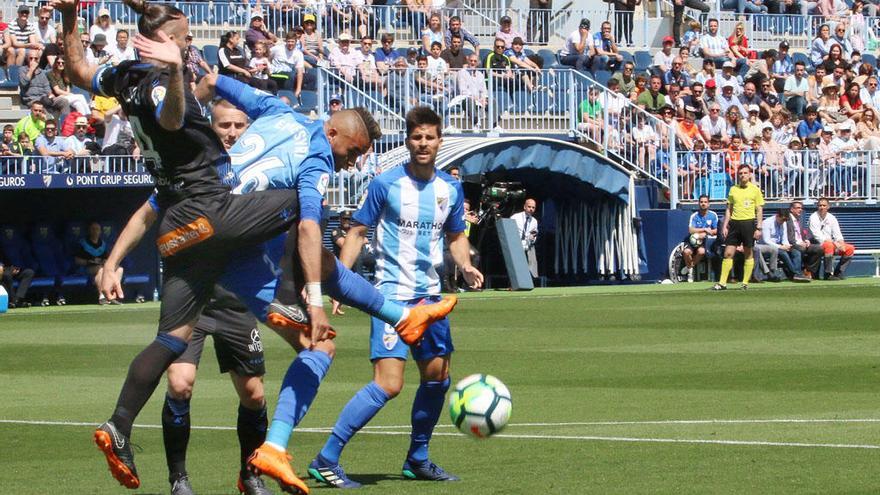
pixel 821 46
pixel 867 131
pixel 6 50
pixel 25 147
pixel 33 123
pixel 842 145
pixel 9 274
pixel 336 103
pixel 344 59
pixel 713 124
pixel 774 164
pixel 652 100
pixel 590 117
pixel 259 62
pixel 646 141
pixel 729 76
pixel 33 82
pixel 369 72
pixel 851 103
pixel 507 33
pixel 578 49
pixel 839 37
pixel 760 70
pixel 46 33
pixel 677 76
pixel 733 123
pixel 775 241
pixel 815 82
pixel 386 54
pixel 751 125
pixel 92 252
pixel 606 55
pixel 453 54
pixel 797 88
pixel 194 60
pixel 708 73
pixel 400 85
pixel 80 145
pixel 702 226
pixel 103 25
pixel 691 38
pixel 96 54
pixel 464 34
pixel 687 131
pixel 257 32
pixel 782 67
pixel 686 66
pixel 121 51
pixel 811 252
pixel 119 141
pixel 727 99
pixel 829 104
pixel 412 58
pixel 795 169
pixel 288 64
pixel 525 67
pixel 662 62
pixel 673 98
pixel 23 37
pixel 782 131
pixel 472 89
pixel 432 33
pixel 499 68
pixel 436 65
pixel 625 78
pixel 870 94
pixel 61 90
pixel 835 58
pixel 714 46
pixel 312 42
pixel 826 231
pixel 8 140
pixel 430 90
pixel 641 86
pixel 234 64
pixel 738 43
pixel 51 146
pixel 811 124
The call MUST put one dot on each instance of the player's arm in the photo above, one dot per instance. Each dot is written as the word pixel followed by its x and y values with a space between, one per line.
pixel 77 68
pixel 111 276
pixel 170 109
pixel 460 249
pixel 354 242
pixel 311 185
pixel 253 102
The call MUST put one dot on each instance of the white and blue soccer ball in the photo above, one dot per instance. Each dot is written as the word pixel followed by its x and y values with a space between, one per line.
pixel 480 405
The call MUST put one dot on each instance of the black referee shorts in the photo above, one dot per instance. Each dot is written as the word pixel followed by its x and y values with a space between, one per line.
pixel 741 232
pixel 237 342
pixel 198 236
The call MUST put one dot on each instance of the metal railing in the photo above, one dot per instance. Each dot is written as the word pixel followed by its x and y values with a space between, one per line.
pixel 792 174
pixel 36 164
pixel 766 31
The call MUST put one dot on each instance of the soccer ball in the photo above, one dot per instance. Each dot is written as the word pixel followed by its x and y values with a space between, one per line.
pixel 480 405
pixel 695 240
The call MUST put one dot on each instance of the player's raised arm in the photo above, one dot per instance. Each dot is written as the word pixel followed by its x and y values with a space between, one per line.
pixel 252 101
pixel 165 51
pixel 78 70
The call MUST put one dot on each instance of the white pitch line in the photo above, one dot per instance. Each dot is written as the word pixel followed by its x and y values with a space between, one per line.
pixel 374 431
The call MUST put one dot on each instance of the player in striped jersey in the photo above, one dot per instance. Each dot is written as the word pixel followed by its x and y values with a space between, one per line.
pixel 413 208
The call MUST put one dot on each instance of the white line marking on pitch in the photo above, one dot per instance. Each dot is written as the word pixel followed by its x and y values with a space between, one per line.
pixel 375 431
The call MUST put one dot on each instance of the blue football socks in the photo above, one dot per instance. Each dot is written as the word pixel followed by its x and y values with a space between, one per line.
pixel 426 409
pixel 350 288
pixel 357 413
pixel 298 390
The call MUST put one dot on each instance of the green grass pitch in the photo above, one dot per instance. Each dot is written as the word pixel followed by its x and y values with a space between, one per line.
pixel 649 389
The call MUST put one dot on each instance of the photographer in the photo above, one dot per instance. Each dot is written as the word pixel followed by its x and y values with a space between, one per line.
pixel 527 225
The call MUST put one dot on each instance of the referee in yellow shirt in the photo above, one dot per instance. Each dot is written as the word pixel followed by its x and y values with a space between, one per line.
pixel 745 208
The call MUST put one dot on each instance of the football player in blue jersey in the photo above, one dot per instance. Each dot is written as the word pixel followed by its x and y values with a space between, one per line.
pixel 413 207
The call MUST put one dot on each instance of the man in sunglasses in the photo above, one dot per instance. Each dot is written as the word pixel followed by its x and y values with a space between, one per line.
pixel 45 30
pixel 23 35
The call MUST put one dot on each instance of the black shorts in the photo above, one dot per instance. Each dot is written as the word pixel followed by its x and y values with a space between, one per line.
pixel 198 236
pixel 741 232
pixel 237 342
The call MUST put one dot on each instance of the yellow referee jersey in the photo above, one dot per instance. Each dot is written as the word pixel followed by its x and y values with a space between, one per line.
pixel 743 201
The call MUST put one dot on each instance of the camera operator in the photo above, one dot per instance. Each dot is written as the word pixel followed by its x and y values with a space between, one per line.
pixel 527 225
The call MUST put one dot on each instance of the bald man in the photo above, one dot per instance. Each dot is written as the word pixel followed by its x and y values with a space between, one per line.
pixel 527 226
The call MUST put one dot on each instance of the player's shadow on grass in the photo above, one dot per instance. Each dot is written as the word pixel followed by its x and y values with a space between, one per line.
pixel 375 479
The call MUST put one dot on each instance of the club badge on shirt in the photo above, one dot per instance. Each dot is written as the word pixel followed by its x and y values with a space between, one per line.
pixel 158 95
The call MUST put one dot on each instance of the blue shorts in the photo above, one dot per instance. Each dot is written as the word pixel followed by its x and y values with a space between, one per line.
pixel 386 343
pixel 252 274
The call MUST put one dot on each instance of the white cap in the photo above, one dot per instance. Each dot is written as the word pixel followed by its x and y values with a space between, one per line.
pixel 767 125
pixel 754 108
pixel 729 64
pixel 847 125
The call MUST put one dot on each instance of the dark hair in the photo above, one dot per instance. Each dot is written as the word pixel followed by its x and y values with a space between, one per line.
pixel 8 127
pixel 372 127
pixel 801 63
pixel 455 18
pixel 153 15
pixel 421 57
pixel 423 115
pixel 783 213
pixel 454 35
pixel 703 196
pixel 437 44
pixel 742 166
pixel 49 121
pixel 225 37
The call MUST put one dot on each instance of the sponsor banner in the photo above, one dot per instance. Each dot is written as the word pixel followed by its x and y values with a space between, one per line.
pixel 75 181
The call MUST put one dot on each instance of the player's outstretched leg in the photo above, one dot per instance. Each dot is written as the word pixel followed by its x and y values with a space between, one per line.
pixel 426 409
pixel 144 373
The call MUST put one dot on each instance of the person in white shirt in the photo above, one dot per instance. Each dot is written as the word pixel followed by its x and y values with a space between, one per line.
pixel 97 53
pixel 437 67
pixel 369 71
pixel 843 145
pixel 121 51
pixel 826 231
pixel 344 59
pixel 76 143
pixel 663 58
pixel 713 124
pixel 870 94
pixel 103 25
pixel 45 30
pixel 473 92
pixel 578 49
pixel 288 64
pixel 527 226
pixel 714 46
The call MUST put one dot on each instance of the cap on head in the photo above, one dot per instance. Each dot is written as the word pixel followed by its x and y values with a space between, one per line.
pixel 100 40
pixel 309 18
pixel 668 39
pixel 585 23
pixel 710 83
pixel 81 121
pixel 257 15
pixel 754 108
pixel 104 13
pixel 24 8
pixel 344 37
pixel 728 64
pixel 335 97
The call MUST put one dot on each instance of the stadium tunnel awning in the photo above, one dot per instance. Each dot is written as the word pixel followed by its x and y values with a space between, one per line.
pixel 546 164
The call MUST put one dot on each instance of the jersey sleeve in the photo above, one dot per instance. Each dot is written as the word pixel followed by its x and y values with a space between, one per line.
pixel 455 221
pixel 109 81
pixel 252 101
pixel 693 220
pixel 154 202
pixel 370 209
pixel 759 196
pixel 311 185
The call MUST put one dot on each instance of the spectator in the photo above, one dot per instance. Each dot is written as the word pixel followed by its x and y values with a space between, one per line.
pixel 715 47
pixel 437 67
pixel 369 72
pixel 33 81
pixel 6 50
pixel 641 85
pixel 312 43
pixel 686 66
pixel 652 100
pixel 46 33
pixel 33 123
pixel 673 97
pixel 464 34
pixel 344 59
pixel 811 124
pixel 51 146
pixel 662 62
pixel 25 147
pixel 453 55
pixel 751 126
pixel 257 32
pixel 707 74
pixel 821 46
pixel 851 103
pixel 811 252
pixel 61 90
pixel 728 76
pixel 727 100
pixel 797 89
pixel 815 82
pixel 9 274
pixel 702 225
pixel 843 145
pixel 590 119
pixel 258 65
pixel 472 88
pixel 625 78
pixel 412 57
pixel 507 33
pixel 774 154
pixel 23 37
pixel 687 131
pixel 624 13
pixel 431 91
pixel 867 131
pixel 287 64
pixel 539 21
pixel 336 103
pixel 769 100
pixel 8 140
pixel 578 50
pixel 401 93
pixel 525 67
pixel 835 58
pixel 738 43
pixel 749 97
pixel 795 168
pixel 858 26
pixel 783 67
pixel 193 59
pixel 774 239
pixel 676 75
pixel 97 55
pixel 527 225
pixel 432 33
pixel 646 141
pixel 122 51
pixel 678 13
pixel 103 25
pixel 691 38
pixel 79 145
pixel 499 68
pixel 712 124
pixel 118 140
pixel 826 231
pixel 839 77
pixel 870 95
pixel 829 104
pixel 386 54
pixel 91 255
pixel 839 37
pixel 733 122
pixel 234 64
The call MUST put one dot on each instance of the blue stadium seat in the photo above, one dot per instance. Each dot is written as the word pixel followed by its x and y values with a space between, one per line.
pixel 14 247
pixel 802 57
pixel 869 59
pixel 289 94
pixel 467 52
pixel 309 101
pixel 211 54
pixel 79 91
pixel 521 101
pixel 627 56
pixel 401 52
pixel 602 77
pixel 643 60
pixel 503 101
pixel 483 53
pixel 11 81
pixel 548 56
pixel 48 253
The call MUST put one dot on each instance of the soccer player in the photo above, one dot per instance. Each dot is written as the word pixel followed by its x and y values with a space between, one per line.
pixel 702 224
pixel 412 207
pixel 745 207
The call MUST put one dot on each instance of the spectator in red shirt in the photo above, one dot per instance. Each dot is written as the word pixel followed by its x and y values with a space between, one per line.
pixel 851 102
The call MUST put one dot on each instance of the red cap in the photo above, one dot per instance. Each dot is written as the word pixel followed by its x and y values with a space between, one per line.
pixel 710 83
pixel 668 39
